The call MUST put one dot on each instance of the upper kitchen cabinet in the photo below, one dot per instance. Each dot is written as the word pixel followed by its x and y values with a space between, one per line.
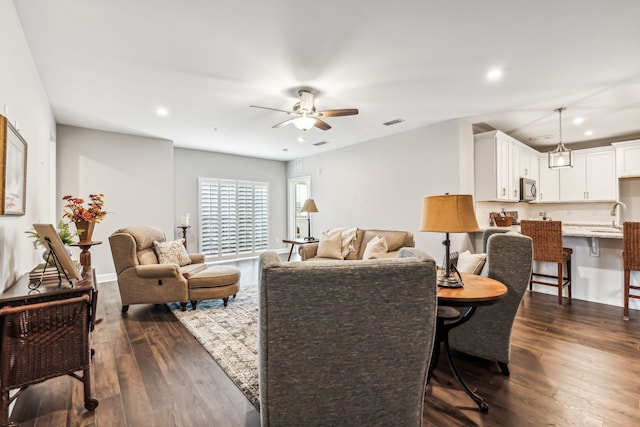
pixel 528 161
pixel 500 162
pixel 592 177
pixel 548 182
pixel 627 158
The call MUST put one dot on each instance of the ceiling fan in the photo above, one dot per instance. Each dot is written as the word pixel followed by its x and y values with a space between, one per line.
pixel 306 115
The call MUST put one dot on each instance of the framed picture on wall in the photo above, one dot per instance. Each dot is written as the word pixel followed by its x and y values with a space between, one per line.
pixel 13 170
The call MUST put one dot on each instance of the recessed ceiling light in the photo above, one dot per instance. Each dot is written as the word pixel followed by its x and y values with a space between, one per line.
pixel 578 120
pixel 300 139
pixel 588 133
pixel 494 74
pixel 162 112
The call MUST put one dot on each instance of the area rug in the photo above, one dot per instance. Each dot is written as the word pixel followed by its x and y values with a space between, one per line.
pixel 230 335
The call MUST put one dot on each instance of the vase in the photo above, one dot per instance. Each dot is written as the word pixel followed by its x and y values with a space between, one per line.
pixel 85 228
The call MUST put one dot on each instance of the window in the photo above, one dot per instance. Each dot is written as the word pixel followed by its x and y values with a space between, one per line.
pixel 234 217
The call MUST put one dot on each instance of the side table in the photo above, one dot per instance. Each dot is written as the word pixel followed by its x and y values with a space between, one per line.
pixel 85 255
pixel 184 233
pixel 477 291
pixel 295 242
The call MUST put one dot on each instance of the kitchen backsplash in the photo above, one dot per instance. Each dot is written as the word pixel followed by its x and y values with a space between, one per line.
pixel 580 213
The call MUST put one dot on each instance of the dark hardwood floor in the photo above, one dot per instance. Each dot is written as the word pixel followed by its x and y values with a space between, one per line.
pixel 576 366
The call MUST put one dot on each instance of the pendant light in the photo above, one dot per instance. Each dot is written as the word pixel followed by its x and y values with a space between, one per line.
pixel 561 157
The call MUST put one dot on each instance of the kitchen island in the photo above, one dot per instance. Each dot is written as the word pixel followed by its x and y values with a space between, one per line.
pixel 596 266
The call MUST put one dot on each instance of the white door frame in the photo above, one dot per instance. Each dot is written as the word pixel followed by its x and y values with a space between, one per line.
pixel 291 203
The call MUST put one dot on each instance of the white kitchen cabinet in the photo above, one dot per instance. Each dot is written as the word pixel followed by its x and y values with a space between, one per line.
pixel 627 158
pixel 548 182
pixel 500 162
pixel 528 163
pixel 495 173
pixel 592 177
pixel 573 180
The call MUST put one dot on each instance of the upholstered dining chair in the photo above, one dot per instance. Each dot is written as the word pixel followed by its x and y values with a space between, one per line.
pixel 547 247
pixel 345 342
pixel 631 260
pixel 487 334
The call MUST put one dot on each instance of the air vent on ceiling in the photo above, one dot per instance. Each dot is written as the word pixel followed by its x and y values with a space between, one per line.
pixel 317 144
pixel 393 122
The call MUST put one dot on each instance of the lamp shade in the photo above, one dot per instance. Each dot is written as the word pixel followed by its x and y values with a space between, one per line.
pixel 309 206
pixel 449 213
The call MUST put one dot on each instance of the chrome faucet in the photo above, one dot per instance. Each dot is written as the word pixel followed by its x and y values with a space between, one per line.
pixel 614 211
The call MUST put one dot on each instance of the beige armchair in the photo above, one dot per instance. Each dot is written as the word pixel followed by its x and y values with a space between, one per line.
pixel 142 280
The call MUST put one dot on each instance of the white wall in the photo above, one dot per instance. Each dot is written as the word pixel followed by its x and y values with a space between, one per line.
pixel 193 164
pixel 134 173
pixel 381 183
pixel 25 101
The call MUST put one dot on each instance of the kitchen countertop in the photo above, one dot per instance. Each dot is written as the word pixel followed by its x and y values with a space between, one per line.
pixel 581 230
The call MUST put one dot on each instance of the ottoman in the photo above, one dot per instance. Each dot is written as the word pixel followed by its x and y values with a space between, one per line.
pixel 218 281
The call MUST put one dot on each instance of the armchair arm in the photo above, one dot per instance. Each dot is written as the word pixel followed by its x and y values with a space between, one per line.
pixel 308 251
pixel 157 271
pixel 196 258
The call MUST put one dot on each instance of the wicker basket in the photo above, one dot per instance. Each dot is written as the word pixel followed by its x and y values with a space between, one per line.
pixel 503 221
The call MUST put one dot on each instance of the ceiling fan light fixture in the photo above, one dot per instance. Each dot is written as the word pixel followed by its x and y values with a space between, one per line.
pixel 561 157
pixel 304 122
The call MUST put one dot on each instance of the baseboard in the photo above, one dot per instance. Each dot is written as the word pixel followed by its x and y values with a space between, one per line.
pixel 110 277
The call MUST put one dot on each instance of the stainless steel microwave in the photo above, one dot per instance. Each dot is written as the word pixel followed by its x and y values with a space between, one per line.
pixel 528 189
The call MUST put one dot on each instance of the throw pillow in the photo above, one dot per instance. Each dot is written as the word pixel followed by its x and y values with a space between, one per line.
pixel 172 252
pixel 348 239
pixel 376 247
pixel 330 246
pixel 471 263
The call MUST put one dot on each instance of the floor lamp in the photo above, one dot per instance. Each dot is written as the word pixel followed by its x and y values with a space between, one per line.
pixel 449 213
pixel 309 206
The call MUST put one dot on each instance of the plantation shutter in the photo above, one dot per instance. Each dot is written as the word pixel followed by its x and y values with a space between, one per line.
pixel 209 216
pixel 261 216
pixel 234 217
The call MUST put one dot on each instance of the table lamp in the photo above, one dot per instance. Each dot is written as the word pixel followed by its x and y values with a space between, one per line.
pixel 449 213
pixel 309 206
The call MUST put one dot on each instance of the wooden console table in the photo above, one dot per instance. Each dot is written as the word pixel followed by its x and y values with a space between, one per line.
pixel 45 332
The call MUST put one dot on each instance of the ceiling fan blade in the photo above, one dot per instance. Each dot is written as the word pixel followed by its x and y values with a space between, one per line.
pixel 338 113
pixel 282 124
pixel 322 125
pixel 269 108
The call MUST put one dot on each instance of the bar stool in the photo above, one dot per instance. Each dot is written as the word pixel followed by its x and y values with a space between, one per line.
pixel 631 260
pixel 547 247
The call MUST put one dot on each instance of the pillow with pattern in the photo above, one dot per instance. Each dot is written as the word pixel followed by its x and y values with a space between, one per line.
pixel 172 252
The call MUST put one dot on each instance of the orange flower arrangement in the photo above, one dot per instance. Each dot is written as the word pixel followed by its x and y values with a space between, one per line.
pixel 93 212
